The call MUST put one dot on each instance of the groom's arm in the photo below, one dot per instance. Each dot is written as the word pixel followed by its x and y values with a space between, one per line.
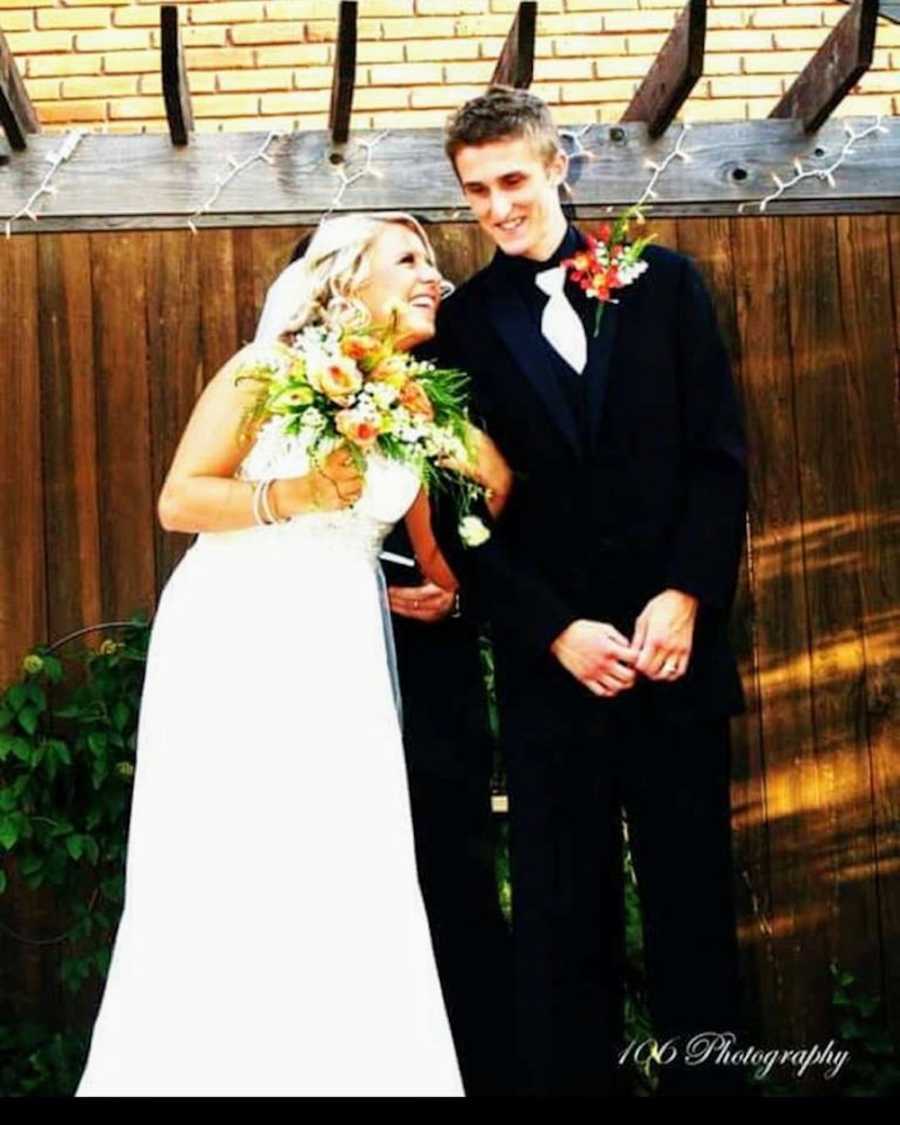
pixel 497 585
pixel 709 538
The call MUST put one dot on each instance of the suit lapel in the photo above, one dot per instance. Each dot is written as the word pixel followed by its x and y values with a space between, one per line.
pixel 521 335
pixel 600 348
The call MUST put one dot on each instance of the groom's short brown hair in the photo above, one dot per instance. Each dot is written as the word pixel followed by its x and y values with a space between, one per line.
pixel 500 113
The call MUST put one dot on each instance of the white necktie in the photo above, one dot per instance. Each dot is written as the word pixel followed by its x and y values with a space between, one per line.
pixel 560 323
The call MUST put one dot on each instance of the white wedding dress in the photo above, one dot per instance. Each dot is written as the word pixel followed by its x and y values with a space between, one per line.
pixel 274 940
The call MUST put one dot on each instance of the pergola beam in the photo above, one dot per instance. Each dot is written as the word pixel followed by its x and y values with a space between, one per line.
pixel 17 115
pixel 343 79
pixel 139 182
pixel 833 70
pixel 176 90
pixel 674 73
pixel 515 66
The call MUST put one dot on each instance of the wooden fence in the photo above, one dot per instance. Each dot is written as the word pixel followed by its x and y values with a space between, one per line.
pixel 109 338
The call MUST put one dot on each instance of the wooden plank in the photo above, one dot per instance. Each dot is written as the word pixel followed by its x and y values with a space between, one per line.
pixel 70 431
pixel 259 256
pixel 515 67
pixel 220 337
pixel 176 88
pixel 23 613
pixel 344 76
pixel 127 504
pixel 709 243
pixel 730 164
pixel 841 875
pixel 795 946
pixel 461 249
pixel 18 116
pixel 869 303
pixel 226 221
pixel 673 74
pixel 834 69
pixel 173 362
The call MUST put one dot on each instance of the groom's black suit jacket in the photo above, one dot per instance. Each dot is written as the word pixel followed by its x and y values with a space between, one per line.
pixel 629 479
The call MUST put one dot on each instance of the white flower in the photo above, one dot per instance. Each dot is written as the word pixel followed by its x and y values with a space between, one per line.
pixel 473 532
pixel 313 419
pixel 383 395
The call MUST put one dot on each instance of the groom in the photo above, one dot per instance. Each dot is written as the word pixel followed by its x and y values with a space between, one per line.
pixel 608 581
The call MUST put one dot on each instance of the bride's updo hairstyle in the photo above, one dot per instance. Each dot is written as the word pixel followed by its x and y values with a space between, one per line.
pixel 336 264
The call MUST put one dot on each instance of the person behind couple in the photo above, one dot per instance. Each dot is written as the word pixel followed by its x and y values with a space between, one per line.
pixel 273 938
pixel 608 584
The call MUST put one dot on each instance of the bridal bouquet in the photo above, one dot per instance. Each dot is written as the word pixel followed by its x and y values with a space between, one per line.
pixel 352 385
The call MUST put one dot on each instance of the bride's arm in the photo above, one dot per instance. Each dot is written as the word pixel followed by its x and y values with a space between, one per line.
pixel 200 492
pixel 431 562
pixel 489 469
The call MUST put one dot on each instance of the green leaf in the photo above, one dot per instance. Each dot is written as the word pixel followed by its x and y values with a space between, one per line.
pixel 31 864
pixel 28 719
pixel 74 846
pixel 9 833
pixel 36 695
pixel 2 882
pixel 54 669
pixel 121 715
pixel 91 849
pixel 850 1029
pixel 21 747
pixel 6 716
pixel 17 697
pixel 96 741
pixel 60 751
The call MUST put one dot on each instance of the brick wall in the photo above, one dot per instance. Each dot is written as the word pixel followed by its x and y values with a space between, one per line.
pixel 267 63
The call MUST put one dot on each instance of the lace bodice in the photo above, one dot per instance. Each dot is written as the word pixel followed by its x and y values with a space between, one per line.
pixel 388 492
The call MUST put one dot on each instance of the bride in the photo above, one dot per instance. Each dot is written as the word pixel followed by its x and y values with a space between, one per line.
pixel 273 939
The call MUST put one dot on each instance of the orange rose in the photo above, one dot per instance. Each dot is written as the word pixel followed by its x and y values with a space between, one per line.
pixel 416 401
pixel 339 378
pixel 391 370
pixel 359 346
pixel 361 431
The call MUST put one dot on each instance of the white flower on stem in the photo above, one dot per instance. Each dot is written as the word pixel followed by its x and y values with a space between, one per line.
pixel 472 531
pixel 313 419
pixel 383 395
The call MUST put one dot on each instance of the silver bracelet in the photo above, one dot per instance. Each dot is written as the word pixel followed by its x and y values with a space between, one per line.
pixel 257 495
pixel 266 506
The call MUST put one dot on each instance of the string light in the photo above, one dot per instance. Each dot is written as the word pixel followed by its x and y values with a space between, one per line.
pixel 345 181
pixel 236 167
pixel 820 173
pixel 60 156
pixel 676 154
pixel 580 151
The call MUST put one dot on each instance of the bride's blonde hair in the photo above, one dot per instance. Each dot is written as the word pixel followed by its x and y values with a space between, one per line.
pixel 337 263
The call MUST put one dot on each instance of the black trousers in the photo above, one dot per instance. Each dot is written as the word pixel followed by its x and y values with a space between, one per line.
pixel 566 796
pixel 450 755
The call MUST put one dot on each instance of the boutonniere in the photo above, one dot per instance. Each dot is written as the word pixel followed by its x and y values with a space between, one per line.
pixel 610 261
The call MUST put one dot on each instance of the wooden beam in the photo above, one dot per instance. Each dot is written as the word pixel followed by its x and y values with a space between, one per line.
pixel 833 70
pixel 17 114
pixel 516 64
pixel 141 182
pixel 344 77
pixel 176 91
pixel 674 72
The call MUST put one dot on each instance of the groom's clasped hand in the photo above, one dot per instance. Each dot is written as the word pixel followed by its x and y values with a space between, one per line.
pixel 607 663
